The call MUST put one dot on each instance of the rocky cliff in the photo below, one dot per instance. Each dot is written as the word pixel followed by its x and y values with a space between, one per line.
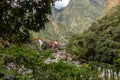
pixel 111 3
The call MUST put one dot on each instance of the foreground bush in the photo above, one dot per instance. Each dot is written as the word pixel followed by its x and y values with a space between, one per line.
pixel 20 63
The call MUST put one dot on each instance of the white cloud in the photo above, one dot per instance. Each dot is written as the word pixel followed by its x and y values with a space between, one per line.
pixel 61 4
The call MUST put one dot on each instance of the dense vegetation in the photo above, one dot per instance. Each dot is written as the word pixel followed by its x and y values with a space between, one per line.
pixel 101 42
pixel 21 63
pixel 18 18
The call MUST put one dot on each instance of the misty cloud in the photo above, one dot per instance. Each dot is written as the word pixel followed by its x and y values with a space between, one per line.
pixel 61 4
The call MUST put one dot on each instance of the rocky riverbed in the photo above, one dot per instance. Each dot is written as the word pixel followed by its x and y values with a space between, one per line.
pixel 60 54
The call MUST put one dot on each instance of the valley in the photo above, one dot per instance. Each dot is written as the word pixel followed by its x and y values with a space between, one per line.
pixel 75 41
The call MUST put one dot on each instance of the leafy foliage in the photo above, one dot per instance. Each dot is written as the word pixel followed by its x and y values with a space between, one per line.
pixel 33 67
pixel 18 17
pixel 21 58
pixel 100 42
pixel 18 62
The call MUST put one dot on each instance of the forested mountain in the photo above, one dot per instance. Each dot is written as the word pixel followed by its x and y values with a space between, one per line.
pixel 75 18
pixel 101 42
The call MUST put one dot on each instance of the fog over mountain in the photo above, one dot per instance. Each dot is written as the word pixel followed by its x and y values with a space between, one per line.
pixel 61 4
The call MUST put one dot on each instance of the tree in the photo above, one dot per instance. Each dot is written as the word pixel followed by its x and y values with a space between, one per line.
pixel 19 17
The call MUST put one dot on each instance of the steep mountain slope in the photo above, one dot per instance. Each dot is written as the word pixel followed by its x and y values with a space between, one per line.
pixel 101 42
pixel 111 3
pixel 74 19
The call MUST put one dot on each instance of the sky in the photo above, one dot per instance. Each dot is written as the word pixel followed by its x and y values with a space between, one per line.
pixel 61 4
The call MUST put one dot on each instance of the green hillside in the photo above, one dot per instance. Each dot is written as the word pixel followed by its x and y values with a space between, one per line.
pixel 101 42
pixel 75 18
